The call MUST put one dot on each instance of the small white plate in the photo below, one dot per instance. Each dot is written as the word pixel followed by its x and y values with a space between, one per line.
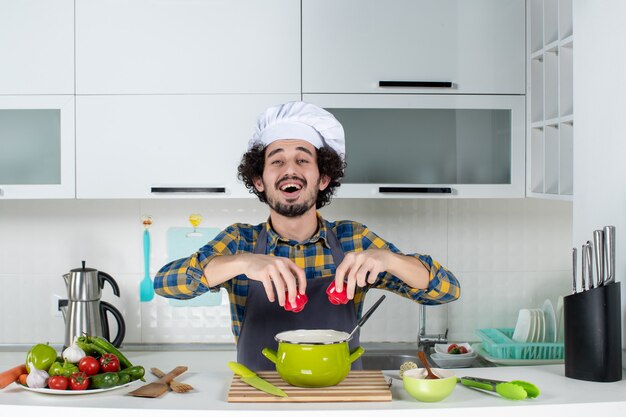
pixel 559 319
pixel 454 361
pixel 524 327
pixel 72 392
pixel 540 321
pixel 551 326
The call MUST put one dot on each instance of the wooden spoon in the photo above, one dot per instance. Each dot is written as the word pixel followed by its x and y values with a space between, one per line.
pixel 430 374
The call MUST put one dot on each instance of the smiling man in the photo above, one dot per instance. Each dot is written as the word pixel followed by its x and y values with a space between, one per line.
pixel 294 163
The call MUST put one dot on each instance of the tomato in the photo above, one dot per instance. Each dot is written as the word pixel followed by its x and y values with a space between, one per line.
pixel 89 365
pixel 79 381
pixel 109 363
pixel 462 349
pixel 452 347
pixel 58 382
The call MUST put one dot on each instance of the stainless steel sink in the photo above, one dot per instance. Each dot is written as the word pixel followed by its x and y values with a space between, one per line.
pixel 376 358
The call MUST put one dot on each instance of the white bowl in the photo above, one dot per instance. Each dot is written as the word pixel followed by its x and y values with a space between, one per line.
pixel 442 349
pixel 453 361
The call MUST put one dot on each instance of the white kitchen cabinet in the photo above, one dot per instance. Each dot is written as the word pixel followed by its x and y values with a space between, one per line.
pixel 37 146
pixel 430 146
pixel 550 144
pixel 37 46
pixel 187 46
pixel 350 46
pixel 162 146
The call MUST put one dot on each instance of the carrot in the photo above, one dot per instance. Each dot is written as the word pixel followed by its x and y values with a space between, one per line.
pixel 11 375
pixel 22 379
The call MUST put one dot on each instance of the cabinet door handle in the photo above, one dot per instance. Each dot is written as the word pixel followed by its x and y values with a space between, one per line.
pixel 206 190
pixel 413 190
pixel 427 84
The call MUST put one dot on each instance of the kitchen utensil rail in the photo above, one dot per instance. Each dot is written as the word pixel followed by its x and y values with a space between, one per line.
pixel 498 343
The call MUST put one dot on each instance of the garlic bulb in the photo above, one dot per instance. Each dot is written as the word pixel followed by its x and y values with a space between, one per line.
pixel 73 354
pixel 37 378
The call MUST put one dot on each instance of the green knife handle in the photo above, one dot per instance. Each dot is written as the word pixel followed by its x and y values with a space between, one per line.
pixel 240 370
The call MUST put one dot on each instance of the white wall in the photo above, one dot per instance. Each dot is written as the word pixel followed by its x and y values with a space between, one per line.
pixel 599 139
pixel 507 254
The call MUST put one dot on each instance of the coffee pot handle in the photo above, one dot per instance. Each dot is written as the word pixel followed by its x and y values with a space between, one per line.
pixel 103 276
pixel 121 326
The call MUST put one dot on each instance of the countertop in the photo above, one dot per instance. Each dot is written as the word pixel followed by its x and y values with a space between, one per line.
pixel 211 378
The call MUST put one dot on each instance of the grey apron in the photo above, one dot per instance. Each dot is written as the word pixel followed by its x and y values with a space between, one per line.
pixel 263 320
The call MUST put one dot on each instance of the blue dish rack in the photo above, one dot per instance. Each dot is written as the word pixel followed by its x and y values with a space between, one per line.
pixel 498 343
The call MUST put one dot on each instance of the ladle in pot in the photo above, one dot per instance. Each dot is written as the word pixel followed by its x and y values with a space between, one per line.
pixel 366 316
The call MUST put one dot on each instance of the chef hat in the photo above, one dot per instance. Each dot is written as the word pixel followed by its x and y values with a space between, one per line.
pixel 299 120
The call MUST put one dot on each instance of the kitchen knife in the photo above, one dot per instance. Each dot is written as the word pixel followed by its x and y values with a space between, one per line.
pixel 589 263
pixel 254 380
pixel 583 269
pixel 598 256
pixel 574 281
pixel 609 253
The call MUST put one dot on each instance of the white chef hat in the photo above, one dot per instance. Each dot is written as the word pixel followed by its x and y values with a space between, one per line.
pixel 299 120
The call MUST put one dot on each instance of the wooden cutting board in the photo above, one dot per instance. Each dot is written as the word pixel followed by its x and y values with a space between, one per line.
pixel 358 386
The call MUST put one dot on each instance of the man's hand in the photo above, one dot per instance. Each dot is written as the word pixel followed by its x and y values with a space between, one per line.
pixel 276 272
pixel 361 268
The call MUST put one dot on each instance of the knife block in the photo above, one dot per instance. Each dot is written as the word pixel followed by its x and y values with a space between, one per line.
pixel 593 334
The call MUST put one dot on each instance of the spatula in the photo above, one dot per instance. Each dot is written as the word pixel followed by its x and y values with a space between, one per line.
pixel 146 291
pixel 157 388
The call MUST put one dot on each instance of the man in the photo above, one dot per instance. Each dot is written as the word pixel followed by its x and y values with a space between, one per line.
pixel 294 163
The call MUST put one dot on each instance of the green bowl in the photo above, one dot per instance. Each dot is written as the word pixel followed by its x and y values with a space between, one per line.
pixel 429 390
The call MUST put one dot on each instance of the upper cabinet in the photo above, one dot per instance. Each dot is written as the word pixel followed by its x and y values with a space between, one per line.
pixel 187 46
pixel 37 47
pixel 430 146
pixel 550 144
pixel 413 46
pixel 37 146
pixel 163 146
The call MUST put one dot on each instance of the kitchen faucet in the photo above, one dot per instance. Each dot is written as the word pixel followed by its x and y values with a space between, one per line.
pixel 425 342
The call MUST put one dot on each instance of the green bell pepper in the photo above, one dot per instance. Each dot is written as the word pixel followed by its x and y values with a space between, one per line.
pixel 41 356
pixel 65 369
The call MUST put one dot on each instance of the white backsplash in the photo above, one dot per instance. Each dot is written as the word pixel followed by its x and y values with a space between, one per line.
pixel 507 254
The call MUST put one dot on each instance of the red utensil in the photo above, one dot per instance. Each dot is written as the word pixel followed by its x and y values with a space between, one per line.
pixel 335 296
pixel 301 300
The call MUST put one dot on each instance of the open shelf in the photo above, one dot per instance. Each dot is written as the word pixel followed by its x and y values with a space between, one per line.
pixel 550 99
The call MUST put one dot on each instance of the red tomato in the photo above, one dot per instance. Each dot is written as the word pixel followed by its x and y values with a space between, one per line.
pixel 462 349
pixel 89 365
pixel 452 347
pixel 58 382
pixel 79 381
pixel 109 363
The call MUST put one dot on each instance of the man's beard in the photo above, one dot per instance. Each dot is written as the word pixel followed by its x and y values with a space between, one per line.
pixel 292 210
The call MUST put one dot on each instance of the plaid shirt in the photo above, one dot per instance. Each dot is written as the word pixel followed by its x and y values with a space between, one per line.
pixel 184 278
